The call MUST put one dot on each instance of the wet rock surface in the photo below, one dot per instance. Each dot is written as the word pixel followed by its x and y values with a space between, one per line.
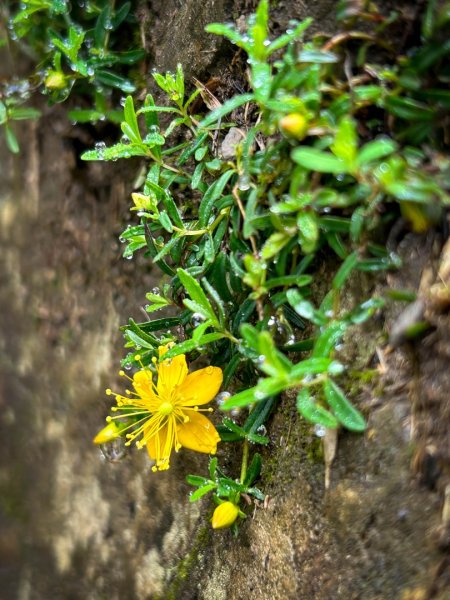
pixel 75 525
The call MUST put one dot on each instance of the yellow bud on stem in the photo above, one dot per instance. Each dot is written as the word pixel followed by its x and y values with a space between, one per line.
pixel 107 434
pixel 295 125
pixel 55 80
pixel 224 515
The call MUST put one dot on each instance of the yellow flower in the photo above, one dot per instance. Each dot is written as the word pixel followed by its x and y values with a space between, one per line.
pixel 168 410
pixel 224 515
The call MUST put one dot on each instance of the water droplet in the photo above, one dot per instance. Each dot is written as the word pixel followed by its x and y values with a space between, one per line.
pixel 127 366
pixel 114 451
pixel 259 395
pixel 235 412
pixel 262 430
pixel 320 430
pixel 197 319
pixel 125 139
pixel 222 398
pixel 155 290
pixel 244 183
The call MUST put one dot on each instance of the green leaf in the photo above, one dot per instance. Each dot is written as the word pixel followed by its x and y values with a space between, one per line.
pixel 115 81
pixel 165 221
pixel 225 109
pixel 310 366
pixel 271 361
pixel 114 152
pixel 131 119
pixel 168 202
pixel 197 294
pixel 261 80
pixel 316 160
pixel 344 271
pixel 212 467
pixel 253 470
pixel 274 244
pixel 317 56
pixel 3 113
pixel 225 30
pixel 314 413
pixel 308 231
pixel 11 140
pixel 375 150
pixel 212 194
pixel 189 345
pixel 101 25
pixel 19 114
pixel 196 480
pixel 232 426
pixel 202 491
pixel 346 142
pixel 329 338
pixel 409 109
pixel 342 408
pixel 286 38
pixel 298 280
pixel 159 324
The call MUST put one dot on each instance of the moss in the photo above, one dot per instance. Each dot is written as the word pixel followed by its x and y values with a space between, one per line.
pixel 187 564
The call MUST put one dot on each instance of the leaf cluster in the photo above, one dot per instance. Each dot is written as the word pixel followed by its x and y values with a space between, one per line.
pixel 326 163
pixel 76 48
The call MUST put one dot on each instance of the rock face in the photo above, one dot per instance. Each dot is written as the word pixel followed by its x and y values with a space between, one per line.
pixel 75 525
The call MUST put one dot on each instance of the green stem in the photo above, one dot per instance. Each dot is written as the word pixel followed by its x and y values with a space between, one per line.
pixel 244 461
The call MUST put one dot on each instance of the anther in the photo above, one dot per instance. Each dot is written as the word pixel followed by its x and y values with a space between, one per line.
pixel 108 392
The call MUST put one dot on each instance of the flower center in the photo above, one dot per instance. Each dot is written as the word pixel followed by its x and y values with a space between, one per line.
pixel 165 408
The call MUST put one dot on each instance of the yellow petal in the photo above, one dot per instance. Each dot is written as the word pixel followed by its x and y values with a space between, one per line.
pixel 107 434
pixel 142 383
pixel 171 372
pixel 160 449
pixel 198 434
pixel 199 387
pixel 224 515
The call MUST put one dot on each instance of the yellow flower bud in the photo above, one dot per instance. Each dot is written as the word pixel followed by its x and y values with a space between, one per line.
pixel 141 201
pixel 224 515
pixel 55 80
pixel 107 434
pixel 294 124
